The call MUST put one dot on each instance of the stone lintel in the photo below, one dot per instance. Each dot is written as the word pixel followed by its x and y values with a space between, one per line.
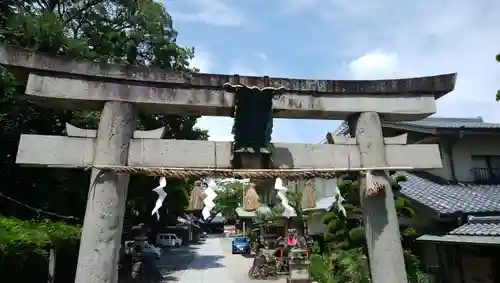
pixel 73 131
pixel 335 139
pixel 80 94
pixel 41 62
pixel 59 151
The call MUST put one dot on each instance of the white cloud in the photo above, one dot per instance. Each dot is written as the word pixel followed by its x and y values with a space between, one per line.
pixel 263 57
pixel 374 65
pixel 202 60
pixel 241 67
pixel 212 12
pixel 219 128
pixel 375 39
pixel 390 38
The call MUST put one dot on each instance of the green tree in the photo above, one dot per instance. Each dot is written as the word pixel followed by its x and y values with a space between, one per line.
pixel 343 253
pixel 137 32
pixel 229 198
pixel 294 196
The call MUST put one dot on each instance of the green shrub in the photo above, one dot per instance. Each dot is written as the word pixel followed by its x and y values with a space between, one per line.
pixel 25 236
pixel 344 257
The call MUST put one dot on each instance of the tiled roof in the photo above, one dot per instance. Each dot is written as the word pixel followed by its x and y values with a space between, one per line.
pixel 434 123
pixel 447 199
pixel 452 123
pixel 479 226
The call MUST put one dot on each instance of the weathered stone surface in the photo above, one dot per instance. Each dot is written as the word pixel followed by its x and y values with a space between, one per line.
pixel 380 218
pixel 170 99
pixel 36 61
pixel 73 131
pixel 102 227
pixel 333 139
pixel 58 151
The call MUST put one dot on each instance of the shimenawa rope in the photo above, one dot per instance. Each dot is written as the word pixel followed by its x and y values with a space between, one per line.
pixel 289 174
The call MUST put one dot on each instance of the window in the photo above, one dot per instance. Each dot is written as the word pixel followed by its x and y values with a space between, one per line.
pixel 486 169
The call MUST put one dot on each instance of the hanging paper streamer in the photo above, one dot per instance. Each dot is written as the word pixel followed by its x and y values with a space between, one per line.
pixel 161 197
pixel 339 199
pixel 289 211
pixel 208 200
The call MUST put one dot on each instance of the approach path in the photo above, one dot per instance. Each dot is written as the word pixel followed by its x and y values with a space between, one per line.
pixel 213 263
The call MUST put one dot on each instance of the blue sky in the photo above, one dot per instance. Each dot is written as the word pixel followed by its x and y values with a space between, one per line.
pixel 341 39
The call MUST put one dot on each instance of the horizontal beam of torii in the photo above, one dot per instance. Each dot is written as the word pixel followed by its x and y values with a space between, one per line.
pixel 78 150
pixel 65 82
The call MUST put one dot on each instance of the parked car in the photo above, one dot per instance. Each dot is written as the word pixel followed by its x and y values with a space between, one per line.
pixel 142 248
pixel 240 245
pixel 168 240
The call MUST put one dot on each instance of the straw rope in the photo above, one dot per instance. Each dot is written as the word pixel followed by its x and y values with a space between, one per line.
pixel 308 196
pixel 251 200
pixel 289 174
pixel 196 198
pixel 373 186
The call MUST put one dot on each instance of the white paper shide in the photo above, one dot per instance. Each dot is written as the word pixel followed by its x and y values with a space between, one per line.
pixel 161 197
pixel 289 211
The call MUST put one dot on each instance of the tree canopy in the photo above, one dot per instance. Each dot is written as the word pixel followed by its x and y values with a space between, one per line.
pixel 229 197
pixel 137 32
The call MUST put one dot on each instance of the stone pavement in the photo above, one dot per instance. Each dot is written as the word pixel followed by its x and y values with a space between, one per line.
pixel 214 263
pixel 175 261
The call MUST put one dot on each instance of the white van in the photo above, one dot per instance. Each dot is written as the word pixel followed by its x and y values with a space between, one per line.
pixel 168 240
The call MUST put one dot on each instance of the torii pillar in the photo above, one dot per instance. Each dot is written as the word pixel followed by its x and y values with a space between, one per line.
pixel 107 196
pixel 381 224
pixel 103 223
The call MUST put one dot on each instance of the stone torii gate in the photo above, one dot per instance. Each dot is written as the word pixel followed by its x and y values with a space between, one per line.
pixel 121 91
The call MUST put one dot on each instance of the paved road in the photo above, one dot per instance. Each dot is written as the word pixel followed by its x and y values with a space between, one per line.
pixel 175 262
pixel 210 262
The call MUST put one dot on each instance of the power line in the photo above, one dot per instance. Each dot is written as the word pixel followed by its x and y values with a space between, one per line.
pixel 38 210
